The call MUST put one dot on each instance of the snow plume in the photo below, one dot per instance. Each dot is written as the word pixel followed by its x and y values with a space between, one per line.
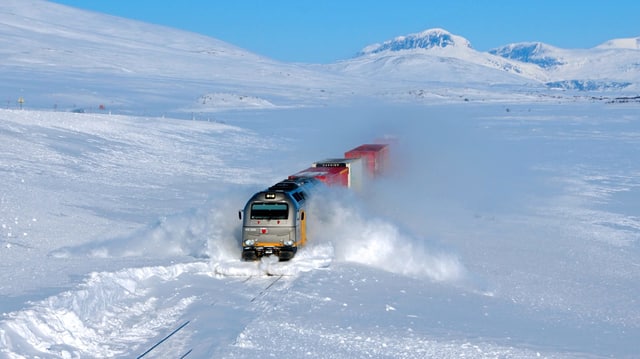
pixel 207 232
pixel 363 238
pixel 177 235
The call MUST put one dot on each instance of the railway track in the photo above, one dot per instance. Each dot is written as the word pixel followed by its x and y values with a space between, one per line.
pixel 157 346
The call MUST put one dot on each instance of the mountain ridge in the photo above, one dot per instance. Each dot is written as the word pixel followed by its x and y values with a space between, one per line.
pixel 59 56
pixel 530 52
pixel 609 66
pixel 622 43
pixel 427 39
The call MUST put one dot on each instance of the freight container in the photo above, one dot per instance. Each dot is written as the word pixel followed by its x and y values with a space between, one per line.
pixel 331 176
pixel 376 157
pixel 275 219
pixel 355 169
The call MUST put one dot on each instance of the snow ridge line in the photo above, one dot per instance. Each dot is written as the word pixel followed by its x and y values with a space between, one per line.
pixel 164 339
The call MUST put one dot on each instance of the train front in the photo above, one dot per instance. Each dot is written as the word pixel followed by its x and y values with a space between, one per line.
pixel 270 226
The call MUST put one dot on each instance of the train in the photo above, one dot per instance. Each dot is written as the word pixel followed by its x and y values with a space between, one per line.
pixel 274 220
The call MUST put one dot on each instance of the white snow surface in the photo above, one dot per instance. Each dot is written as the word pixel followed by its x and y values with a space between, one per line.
pixel 507 226
pixel 497 234
pixel 628 43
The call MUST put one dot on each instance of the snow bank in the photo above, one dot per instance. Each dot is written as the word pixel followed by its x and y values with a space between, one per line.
pixel 110 314
pixel 221 101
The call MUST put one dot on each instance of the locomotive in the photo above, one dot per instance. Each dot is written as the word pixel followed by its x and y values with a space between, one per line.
pixel 275 219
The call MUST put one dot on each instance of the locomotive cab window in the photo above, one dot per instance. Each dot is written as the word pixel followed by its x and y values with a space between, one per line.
pixel 269 211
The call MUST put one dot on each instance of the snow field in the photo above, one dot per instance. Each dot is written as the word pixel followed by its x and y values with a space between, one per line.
pixel 504 250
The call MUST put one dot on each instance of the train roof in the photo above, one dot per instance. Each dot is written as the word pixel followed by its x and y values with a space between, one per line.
pixel 291 184
pixel 369 147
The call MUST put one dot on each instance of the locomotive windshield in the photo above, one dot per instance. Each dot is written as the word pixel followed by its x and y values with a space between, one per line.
pixel 269 210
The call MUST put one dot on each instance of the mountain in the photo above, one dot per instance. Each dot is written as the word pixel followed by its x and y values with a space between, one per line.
pixel 59 57
pixel 611 66
pixel 531 52
pixel 428 39
pixel 628 43
pixel 437 56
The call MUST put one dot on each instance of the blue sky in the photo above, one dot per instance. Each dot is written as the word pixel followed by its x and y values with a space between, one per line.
pixel 323 31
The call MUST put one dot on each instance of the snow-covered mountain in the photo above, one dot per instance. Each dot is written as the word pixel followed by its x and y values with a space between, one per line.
pixel 428 39
pixel 436 55
pixel 536 53
pixel 127 66
pixel 628 43
pixel 614 65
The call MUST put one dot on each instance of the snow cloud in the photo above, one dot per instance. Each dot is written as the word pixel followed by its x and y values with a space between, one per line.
pixel 361 237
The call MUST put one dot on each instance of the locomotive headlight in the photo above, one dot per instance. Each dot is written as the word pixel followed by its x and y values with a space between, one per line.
pixel 249 242
pixel 288 242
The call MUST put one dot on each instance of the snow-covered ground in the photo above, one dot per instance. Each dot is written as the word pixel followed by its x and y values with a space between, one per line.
pixel 503 231
pixel 508 225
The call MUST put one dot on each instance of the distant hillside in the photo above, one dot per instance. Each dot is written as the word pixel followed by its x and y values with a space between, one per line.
pixel 428 39
pixel 613 65
pixel 58 56
pixel 535 53
pixel 437 55
pixel 63 58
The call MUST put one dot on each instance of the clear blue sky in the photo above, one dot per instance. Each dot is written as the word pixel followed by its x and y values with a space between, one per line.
pixel 323 31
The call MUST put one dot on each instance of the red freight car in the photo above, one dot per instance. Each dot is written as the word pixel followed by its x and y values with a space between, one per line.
pixel 354 166
pixel 274 220
pixel 346 172
pixel 331 176
pixel 376 157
